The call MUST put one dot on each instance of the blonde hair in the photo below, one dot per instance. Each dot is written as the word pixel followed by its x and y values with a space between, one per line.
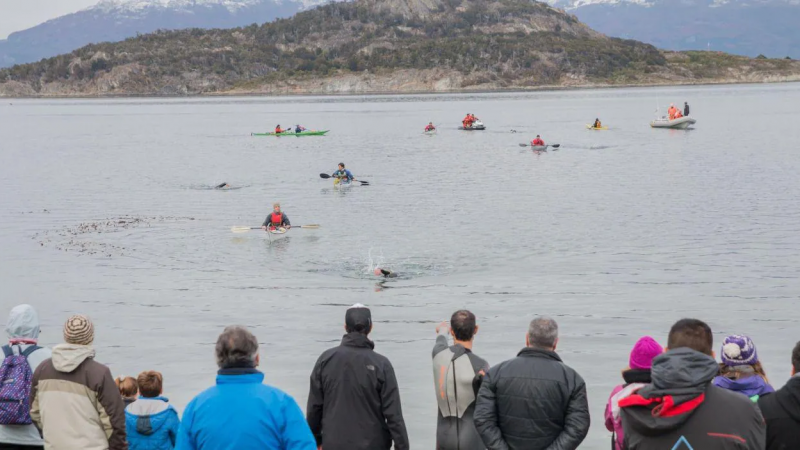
pixel 750 370
pixel 276 205
pixel 127 386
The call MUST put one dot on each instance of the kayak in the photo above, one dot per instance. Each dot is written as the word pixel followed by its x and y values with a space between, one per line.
pixel 302 133
pixel 429 133
pixel 275 233
pixel 476 126
pixel 589 126
pixel 676 124
pixel 338 184
pixel 539 148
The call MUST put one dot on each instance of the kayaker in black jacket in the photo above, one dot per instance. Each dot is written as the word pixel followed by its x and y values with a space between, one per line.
pixel 782 410
pixel 682 409
pixel 533 401
pixel 457 373
pixel 354 400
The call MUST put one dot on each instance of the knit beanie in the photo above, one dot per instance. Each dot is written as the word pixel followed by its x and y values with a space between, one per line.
pixel 79 330
pixel 643 352
pixel 738 351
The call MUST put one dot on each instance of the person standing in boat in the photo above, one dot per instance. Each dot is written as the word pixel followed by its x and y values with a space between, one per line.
pixel 537 141
pixel 276 220
pixel 343 175
pixel 671 111
pixel 686 109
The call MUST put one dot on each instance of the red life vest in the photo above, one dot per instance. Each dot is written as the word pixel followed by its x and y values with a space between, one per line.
pixel 276 219
pixel 537 141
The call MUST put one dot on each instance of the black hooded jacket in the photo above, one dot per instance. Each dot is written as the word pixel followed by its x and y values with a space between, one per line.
pixel 782 413
pixel 532 402
pixel 354 401
pixel 682 410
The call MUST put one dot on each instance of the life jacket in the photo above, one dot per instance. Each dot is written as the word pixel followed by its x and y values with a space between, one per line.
pixel 278 130
pixel 537 141
pixel 276 219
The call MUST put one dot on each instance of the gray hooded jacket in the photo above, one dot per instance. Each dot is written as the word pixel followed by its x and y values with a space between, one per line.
pixel 23 323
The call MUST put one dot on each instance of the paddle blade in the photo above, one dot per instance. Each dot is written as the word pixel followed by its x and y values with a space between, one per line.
pixel 312 226
pixel 523 145
pixel 324 176
pixel 555 145
pixel 364 183
pixel 242 229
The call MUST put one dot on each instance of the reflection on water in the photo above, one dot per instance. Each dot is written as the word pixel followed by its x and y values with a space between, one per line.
pixel 616 235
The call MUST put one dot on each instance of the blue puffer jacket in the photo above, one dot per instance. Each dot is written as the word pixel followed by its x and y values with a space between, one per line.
pixel 152 424
pixel 242 413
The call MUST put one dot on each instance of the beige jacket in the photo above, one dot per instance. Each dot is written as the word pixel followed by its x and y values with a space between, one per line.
pixel 76 403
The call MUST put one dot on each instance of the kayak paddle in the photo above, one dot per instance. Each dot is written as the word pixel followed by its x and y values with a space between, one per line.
pixel 325 176
pixel 529 145
pixel 246 229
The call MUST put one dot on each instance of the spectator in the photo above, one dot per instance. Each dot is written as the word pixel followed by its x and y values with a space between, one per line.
pixel 75 401
pixel 636 375
pixel 457 373
pixel 17 430
pixel 533 401
pixel 152 423
pixel 681 408
pixel 240 412
pixel 782 410
pixel 740 370
pixel 128 389
pixel 354 401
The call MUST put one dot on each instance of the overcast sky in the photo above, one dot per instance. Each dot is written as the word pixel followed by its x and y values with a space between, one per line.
pixel 18 15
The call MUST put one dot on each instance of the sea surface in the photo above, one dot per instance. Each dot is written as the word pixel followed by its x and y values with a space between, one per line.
pixel 108 209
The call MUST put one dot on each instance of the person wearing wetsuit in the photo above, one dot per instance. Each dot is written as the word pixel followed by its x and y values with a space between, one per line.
pixel 276 220
pixel 222 186
pixel 686 109
pixel 457 375
pixel 343 175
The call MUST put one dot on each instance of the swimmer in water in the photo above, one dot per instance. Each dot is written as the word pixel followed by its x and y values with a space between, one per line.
pixel 222 186
pixel 385 273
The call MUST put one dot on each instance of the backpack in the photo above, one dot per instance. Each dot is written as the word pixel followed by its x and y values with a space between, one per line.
pixel 16 380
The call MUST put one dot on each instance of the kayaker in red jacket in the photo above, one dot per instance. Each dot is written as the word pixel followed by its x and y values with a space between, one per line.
pixel 537 141
pixel 430 127
pixel 278 130
pixel 276 219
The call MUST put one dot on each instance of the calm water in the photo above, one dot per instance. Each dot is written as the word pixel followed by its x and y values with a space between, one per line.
pixel 616 235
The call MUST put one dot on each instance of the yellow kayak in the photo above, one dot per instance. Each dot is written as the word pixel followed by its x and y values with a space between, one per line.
pixel 589 126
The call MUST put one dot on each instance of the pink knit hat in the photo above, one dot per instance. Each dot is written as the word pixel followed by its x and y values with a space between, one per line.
pixel 643 352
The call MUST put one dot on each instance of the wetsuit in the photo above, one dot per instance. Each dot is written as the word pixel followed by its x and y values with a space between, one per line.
pixel 272 221
pixel 686 110
pixel 455 373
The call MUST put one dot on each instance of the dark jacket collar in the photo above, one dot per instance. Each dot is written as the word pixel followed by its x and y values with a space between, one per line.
pixel 356 339
pixel 637 376
pixel 531 352
pixel 237 371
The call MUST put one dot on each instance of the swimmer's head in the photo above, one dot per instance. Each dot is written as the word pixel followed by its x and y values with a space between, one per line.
pixel 377 271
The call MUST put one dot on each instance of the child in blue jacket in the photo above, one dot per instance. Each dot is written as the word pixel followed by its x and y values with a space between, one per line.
pixel 151 422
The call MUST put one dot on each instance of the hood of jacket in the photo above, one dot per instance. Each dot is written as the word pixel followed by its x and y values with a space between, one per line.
pixel 67 357
pixel 147 415
pixel 750 386
pixel 356 339
pixel 680 380
pixel 789 397
pixel 23 323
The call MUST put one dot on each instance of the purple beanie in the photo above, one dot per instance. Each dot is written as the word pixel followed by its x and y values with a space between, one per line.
pixel 738 350
pixel 643 352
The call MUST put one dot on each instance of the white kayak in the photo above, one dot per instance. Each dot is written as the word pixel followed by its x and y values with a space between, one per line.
pixel 676 124
pixel 476 126
pixel 339 184
pixel 430 132
pixel 539 148
pixel 274 234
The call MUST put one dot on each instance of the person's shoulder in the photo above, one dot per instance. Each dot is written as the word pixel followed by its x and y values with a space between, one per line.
pixel 477 360
pixel 735 402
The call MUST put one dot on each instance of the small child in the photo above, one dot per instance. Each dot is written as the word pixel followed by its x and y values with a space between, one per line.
pixel 151 422
pixel 128 389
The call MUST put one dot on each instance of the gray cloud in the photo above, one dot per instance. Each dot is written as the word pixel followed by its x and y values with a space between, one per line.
pixel 16 15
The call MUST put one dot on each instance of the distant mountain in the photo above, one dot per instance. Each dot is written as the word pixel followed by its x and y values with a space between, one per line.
pixel 381 46
pixel 743 27
pixel 115 20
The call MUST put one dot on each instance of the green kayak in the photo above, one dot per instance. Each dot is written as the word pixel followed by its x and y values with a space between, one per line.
pixel 302 133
